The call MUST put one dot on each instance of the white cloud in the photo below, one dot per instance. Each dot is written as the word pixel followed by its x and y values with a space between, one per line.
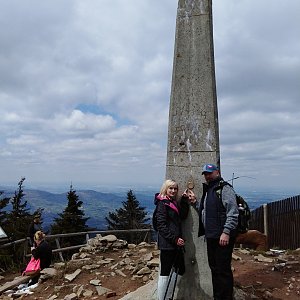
pixel 80 123
pixel 116 56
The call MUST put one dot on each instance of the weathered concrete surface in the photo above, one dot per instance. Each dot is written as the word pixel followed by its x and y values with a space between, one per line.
pixel 193 129
pixel 145 292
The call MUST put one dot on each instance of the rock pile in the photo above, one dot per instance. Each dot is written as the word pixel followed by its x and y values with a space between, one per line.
pixel 108 267
pixel 137 263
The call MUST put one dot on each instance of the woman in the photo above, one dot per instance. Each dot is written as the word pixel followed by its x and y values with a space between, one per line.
pixel 170 212
pixel 42 251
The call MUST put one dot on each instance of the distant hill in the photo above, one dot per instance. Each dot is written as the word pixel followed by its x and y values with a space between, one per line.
pixel 96 205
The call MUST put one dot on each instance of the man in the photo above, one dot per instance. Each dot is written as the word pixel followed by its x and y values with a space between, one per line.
pixel 218 219
pixel 33 228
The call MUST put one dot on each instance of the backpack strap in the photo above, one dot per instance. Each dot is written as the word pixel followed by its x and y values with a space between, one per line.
pixel 218 189
pixel 221 184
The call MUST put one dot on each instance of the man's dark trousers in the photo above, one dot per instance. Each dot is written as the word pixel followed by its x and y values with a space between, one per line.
pixel 219 260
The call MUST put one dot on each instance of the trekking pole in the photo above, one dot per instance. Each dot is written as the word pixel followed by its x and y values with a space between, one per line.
pixel 169 281
pixel 174 285
pixel 174 269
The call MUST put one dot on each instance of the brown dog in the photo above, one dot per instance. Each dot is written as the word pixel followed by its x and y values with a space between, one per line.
pixel 253 238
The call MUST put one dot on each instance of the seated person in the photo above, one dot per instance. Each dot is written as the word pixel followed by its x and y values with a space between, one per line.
pixel 42 251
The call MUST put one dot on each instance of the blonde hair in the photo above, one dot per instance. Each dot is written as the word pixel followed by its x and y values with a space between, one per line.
pixel 39 236
pixel 166 185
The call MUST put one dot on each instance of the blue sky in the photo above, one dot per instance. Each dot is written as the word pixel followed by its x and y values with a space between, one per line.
pixel 85 88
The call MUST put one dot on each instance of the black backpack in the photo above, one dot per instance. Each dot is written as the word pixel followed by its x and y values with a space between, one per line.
pixel 154 216
pixel 243 207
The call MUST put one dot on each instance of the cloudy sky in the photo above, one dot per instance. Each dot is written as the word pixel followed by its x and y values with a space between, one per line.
pixel 85 88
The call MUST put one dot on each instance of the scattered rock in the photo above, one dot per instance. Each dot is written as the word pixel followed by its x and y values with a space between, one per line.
pixel 153 263
pixel 102 290
pixel 139 264
pixel 235 257
pixel 119 272
pixel 87 293
pixel 95 282
pixel 71 277
pixel 72 296
pixel 262 258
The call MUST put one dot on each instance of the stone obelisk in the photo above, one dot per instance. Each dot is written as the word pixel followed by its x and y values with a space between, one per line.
pixel 193 137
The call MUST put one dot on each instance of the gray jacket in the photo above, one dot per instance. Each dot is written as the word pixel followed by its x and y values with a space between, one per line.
pixel 215 215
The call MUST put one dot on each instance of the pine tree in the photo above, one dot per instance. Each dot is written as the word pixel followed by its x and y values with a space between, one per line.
pixel 71 220
pixel 5 254
pixel 130 216
pixel 3 214
pixel 18 218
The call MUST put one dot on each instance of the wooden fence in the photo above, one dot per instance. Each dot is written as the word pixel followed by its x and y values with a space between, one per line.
pixel 280 221
pixel 23 243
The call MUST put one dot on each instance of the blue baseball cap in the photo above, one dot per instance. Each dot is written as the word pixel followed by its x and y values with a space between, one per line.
pixel 209 168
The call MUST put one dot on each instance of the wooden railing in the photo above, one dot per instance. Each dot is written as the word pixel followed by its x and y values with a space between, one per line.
pixel 24 242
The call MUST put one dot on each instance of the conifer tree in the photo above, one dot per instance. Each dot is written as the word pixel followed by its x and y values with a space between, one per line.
pixel 5 256
pixel 18 218
pixel 3 214
pixel 130 216
pixel 71 220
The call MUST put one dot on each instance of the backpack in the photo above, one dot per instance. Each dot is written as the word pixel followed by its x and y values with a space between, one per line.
pixel 243 207
pixel 154 216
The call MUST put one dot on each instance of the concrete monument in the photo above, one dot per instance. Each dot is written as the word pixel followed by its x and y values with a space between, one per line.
pixel 193 137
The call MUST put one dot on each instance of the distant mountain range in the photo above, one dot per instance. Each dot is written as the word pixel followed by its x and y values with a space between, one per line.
pixel 97 205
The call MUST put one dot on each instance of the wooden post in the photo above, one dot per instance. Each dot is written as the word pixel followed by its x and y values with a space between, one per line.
pixel 87 237
pixel 265 206
pixel 25 250
pixel 58 247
